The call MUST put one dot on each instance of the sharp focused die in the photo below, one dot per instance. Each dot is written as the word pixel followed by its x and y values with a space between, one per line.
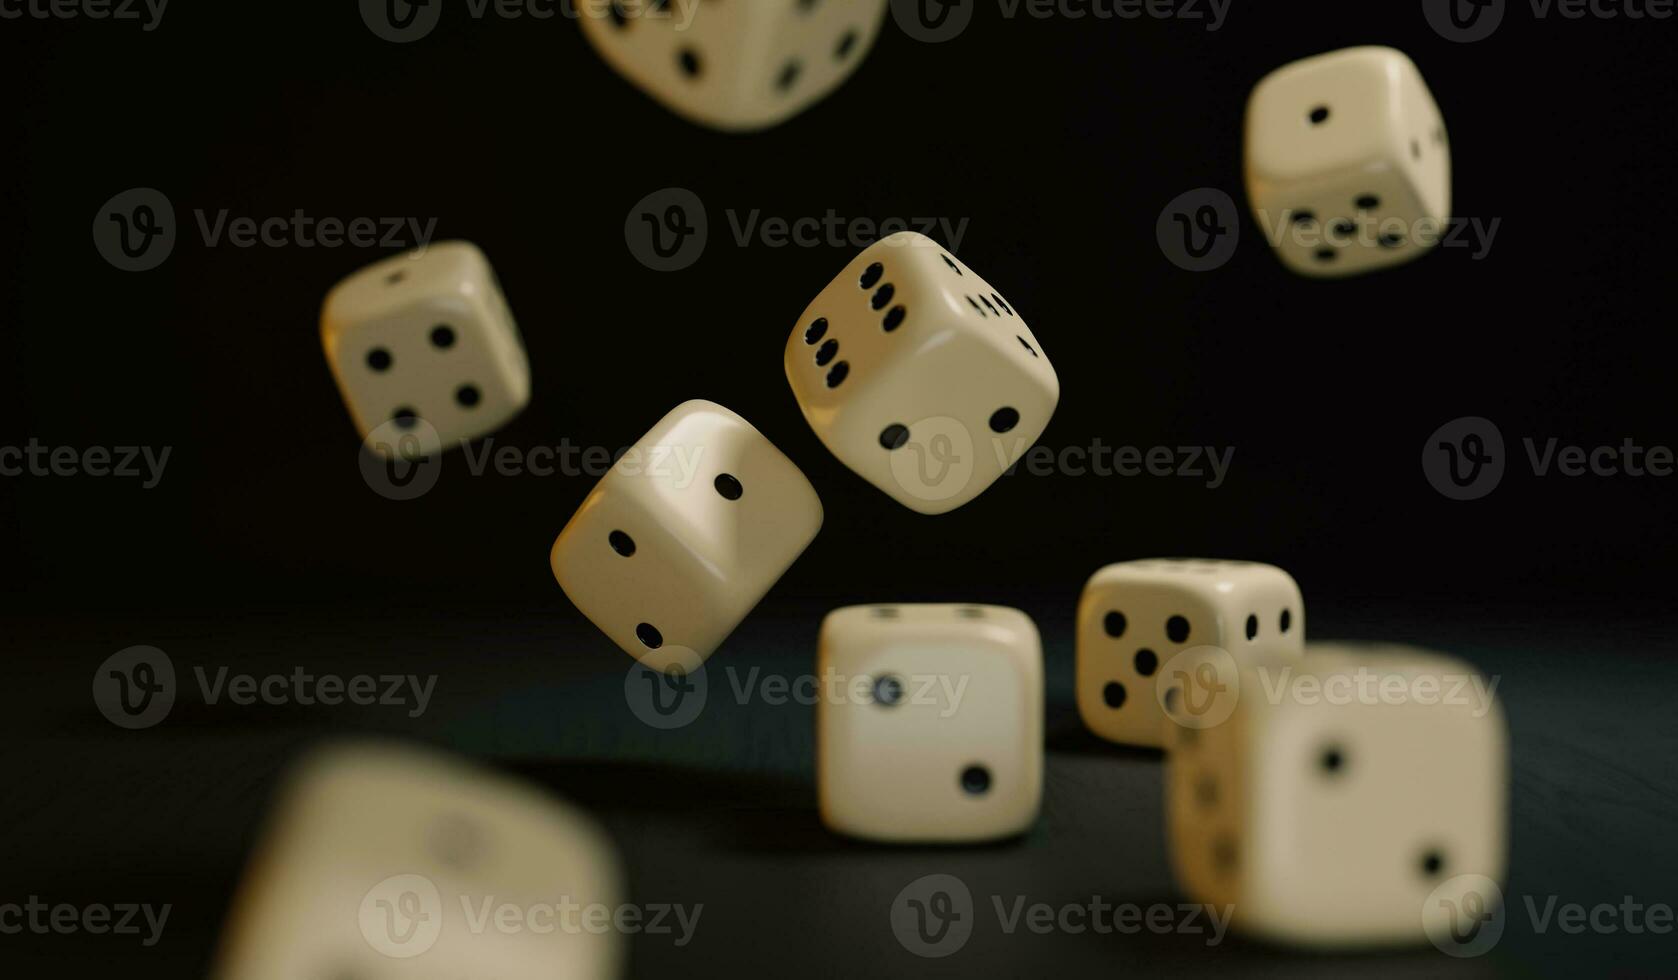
pixel 930 726
pixel 733 64
pixel 1134 617
pixel 425 337
pixel 378 858
pixel 1351 798
pixel 1348 162
pixel 684 535
pixel 919 376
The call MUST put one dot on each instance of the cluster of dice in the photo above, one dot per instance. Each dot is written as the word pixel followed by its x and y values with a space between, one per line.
pixel 1320 823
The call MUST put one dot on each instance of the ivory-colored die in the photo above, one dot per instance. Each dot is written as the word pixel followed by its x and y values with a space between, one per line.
pixel 425 350
pixel 685 535
pixel 919 376
pixel 1134 617
pixel 1355 797
pixel 1348 164
pixel 929 727
pixel 735 65
pixel 385 863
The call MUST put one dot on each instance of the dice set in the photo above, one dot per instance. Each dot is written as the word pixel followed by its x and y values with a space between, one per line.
pixel 1321 824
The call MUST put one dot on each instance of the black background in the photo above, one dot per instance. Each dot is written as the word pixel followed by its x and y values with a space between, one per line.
pixel 1060 141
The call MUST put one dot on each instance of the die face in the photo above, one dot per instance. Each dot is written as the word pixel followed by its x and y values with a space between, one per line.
pixel 1346 813
pixel 919 376
pixel 737 66
pixel 427 335
pixel 1352 143
pixel 685 535
pixel 369 836
pixel 959 755
pixel 1134 617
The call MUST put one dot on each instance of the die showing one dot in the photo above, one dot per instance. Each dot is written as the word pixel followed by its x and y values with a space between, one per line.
pixel 976 780
pixel 1004 420
pixel 649 636
pixel 621 543
pixel 1319 115
pixel 894 437
pixel 729 486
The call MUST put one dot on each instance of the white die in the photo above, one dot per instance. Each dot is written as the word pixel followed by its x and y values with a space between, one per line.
pixel 1348 165
pixel 423 345
pixel 919 376
pixel 930 723
pixel 1134 617
pixel 685 535
pixel 735 65
pixel 378 858
pixel 1350 798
